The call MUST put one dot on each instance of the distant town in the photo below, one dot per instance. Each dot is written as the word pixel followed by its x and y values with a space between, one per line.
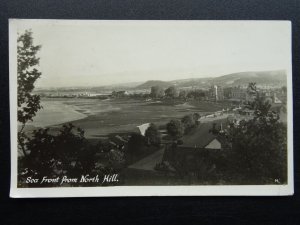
pixel 227 88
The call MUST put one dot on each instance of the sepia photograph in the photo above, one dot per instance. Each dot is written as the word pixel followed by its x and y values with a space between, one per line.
pixel 150 108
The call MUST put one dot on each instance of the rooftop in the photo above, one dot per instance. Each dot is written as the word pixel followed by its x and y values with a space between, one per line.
pixel 149 162
pixel 200 137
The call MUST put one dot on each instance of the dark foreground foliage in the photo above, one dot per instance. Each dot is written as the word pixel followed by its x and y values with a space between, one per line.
pixel 68 154
pixel 259 146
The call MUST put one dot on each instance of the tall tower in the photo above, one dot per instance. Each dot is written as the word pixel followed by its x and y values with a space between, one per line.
pixel 216 92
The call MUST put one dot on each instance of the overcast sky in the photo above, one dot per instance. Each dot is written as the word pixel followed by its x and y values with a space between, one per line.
pixel 95 53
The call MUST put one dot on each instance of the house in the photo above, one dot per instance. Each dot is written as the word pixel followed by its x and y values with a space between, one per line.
pixel 149 162
pixel 145 171
pixel 238 93
pixel 142 128
pixel 94 95
pixel 200 151
pixel 202 138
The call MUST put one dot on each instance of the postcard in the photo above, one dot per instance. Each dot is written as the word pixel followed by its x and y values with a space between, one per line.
pixel 150 108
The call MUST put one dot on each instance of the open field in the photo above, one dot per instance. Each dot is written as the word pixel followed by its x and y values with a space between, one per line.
pixel 101 117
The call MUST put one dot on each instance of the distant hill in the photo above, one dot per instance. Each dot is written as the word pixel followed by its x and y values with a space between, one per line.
pixel 150 83
pixel 261 78
pixel 193 82
pixel 277 78
pixel 116 87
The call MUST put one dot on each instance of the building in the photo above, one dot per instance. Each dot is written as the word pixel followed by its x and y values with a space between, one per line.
pixel 216 93
pixel 202 138
pixel 239 93
pixel 227 92
pixel 199 154
pixel 91 95
pixel 142 128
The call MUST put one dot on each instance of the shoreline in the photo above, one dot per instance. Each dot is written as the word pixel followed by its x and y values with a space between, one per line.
pixel 56 113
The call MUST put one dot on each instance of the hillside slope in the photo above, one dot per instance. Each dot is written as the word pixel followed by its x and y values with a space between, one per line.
pixel 150 83
pixel 277 78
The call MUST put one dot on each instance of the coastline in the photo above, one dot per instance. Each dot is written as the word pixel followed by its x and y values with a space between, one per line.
pixel 58 112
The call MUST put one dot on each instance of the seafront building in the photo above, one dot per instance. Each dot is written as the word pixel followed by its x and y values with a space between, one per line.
pixel 216 93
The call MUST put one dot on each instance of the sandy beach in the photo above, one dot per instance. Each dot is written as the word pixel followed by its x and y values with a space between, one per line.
pixel 55 112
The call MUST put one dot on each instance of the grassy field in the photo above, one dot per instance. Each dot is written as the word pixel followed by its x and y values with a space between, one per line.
pixel 101 117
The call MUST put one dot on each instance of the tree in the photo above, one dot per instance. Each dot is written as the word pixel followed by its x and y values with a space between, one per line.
pixel 28 73
pixel 196 94
pixel 175 129
pixel 259 145
pixel 116 159
pixel 156 92
pixel 188 123
pixel 252 91
pixel 182 94
pixel 171 92
pixel 152 135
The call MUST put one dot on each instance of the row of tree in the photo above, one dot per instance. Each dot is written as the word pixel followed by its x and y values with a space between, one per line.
pixel 175 129
pixel 173 92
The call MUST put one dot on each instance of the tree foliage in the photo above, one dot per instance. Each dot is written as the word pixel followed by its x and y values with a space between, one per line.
pixel 157 92
pixel 188 123
pixel 67 153
pixel 259 145
pixel 152 135
pixel 252 89
pixel 135 143
pixel 171 92
pixel 175 129
pixel 196 94
pixel 28 73
pixel 182 94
